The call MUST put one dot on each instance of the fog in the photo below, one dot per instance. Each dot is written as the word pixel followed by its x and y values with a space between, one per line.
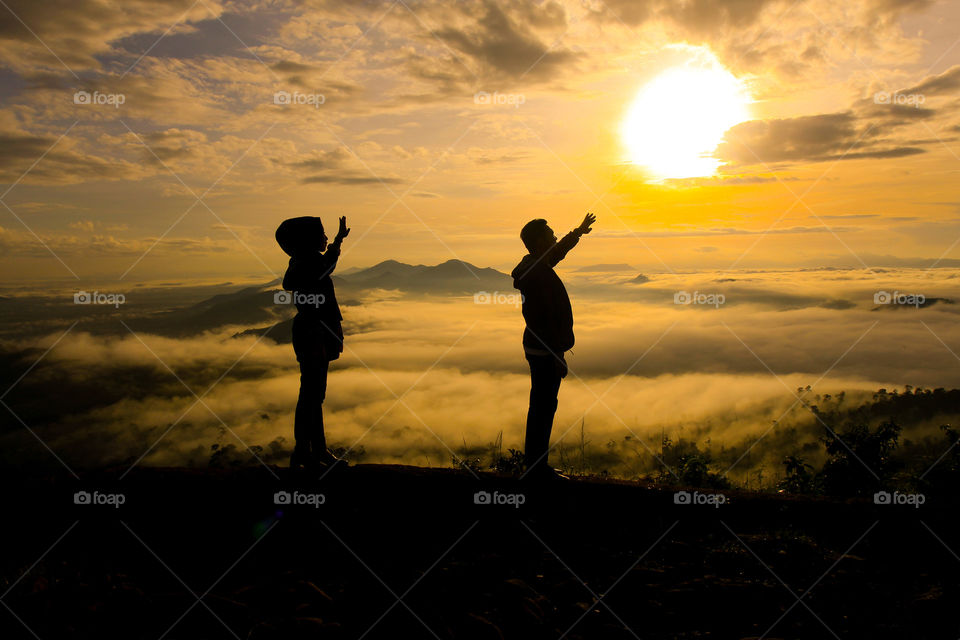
pixel 425 378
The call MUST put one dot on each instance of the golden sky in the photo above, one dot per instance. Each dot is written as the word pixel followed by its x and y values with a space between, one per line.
pixel 181 163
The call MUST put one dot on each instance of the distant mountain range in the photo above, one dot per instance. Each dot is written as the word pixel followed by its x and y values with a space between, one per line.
pixel 452 276
pixel 255 306
pixel 248 306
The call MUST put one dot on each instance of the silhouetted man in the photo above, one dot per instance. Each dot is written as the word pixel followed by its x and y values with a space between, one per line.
pixel 317 332
pixel 549 332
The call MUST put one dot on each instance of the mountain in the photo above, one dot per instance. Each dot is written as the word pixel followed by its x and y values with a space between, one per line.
pixel 382 271
pixel 248 306
pixel 281 332
pixel 349 270
pixel 256 309
pixel 452 276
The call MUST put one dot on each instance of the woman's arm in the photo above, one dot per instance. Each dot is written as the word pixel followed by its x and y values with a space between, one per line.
pixel 333 251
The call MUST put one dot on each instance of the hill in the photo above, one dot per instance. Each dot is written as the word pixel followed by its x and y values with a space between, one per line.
pixel 452 276
pixel 393 551
pixel 256 307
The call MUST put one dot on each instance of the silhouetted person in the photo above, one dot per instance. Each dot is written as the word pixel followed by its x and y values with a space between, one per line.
pixel 549 332
pixel 317 332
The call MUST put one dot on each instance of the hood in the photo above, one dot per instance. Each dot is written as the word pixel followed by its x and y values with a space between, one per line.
pixel 294 234
pixel 520 271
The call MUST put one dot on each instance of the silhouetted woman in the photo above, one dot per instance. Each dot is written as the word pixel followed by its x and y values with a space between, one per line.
pixel 317 332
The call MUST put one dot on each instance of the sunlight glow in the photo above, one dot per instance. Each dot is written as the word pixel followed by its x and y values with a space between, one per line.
pixel 677 120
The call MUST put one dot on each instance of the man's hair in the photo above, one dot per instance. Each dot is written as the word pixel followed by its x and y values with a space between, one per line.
pixel 532 233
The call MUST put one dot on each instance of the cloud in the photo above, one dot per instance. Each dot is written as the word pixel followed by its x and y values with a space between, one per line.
pixel 338 166
pixel 698 371
pixel 93 225
pixel 24 244
pixel 730 180
pixel 781 38
pixel 946 82
pixel 718 231
pixel 496 156
pixel 819 138
pixel 850 216
pixel 172 144
pixel 437 53
pixel 330 159
pixel 504 46
pixel 351 179
pixel 865 131
pixel 313 78
pixel 77 31
pixel 47 159
pixel 700 16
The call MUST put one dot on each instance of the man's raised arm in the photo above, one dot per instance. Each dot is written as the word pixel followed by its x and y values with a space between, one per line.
pixel 569 241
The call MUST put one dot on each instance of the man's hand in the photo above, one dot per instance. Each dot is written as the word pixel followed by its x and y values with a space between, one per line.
pixel 343 231
pixel 588 220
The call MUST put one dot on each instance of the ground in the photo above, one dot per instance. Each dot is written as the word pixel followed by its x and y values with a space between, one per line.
pixel 409 552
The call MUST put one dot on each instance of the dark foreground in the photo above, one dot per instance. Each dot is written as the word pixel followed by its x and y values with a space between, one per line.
pixel 403 552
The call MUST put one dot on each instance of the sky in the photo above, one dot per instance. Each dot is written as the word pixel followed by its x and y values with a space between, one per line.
pixel 181 163
pixel 774 183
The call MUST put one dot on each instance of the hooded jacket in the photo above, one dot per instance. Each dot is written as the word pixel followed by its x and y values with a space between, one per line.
pixel 546 305
pixel 317 329
pixel 317 326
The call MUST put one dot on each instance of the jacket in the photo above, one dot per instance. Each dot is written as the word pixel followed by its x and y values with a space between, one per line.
pixel 546 305
pixel 317 328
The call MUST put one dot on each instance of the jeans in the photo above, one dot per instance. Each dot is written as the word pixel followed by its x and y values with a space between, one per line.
pixel 308 419
pixel 545 375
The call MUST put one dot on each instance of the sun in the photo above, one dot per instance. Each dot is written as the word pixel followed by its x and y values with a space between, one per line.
pixel 677 120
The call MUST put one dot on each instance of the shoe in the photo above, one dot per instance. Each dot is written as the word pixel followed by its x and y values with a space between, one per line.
pixel 543 473
pixel 328 460
pixel 300 459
